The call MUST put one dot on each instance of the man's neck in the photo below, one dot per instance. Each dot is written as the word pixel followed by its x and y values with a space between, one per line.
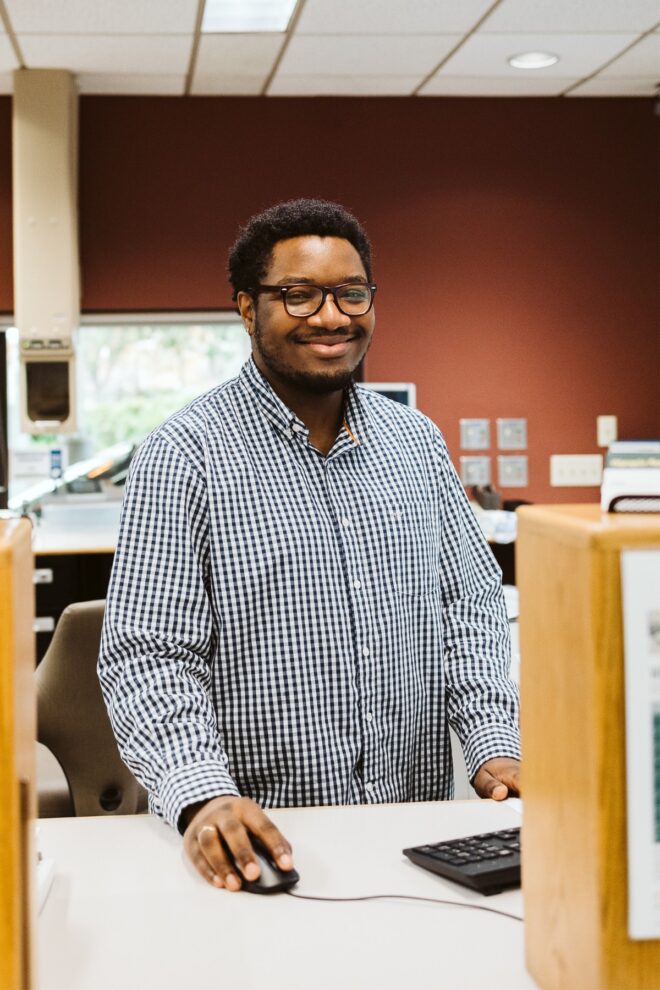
pixel 321 412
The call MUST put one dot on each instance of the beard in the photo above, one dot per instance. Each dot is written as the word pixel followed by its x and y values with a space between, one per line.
pixel 317 383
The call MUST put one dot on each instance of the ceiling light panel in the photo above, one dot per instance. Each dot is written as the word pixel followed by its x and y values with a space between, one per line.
pixel 222 16
pixel 573 16
pixel 487 54
pixel 390 16
pixel 365 55
pixel 513 85
pixel 166 54
pixel 320 85
pixel 110 83
pixel 642 59
pixel 102 16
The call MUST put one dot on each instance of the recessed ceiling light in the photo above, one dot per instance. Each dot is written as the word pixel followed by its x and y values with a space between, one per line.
pixel 237 16
pixel 532 60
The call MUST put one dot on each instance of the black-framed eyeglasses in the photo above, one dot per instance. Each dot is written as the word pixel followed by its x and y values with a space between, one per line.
pixel 304 299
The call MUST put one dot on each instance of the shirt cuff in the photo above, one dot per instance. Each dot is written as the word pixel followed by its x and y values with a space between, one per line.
pixel 189 784
pixel 488 742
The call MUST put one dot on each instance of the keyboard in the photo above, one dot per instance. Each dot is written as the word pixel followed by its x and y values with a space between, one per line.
pixel 489 863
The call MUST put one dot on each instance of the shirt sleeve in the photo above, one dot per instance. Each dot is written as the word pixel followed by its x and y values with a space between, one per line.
pixel 158 635
pixel 482 700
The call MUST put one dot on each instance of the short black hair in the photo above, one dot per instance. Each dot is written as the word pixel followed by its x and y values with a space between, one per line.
pixel 250 254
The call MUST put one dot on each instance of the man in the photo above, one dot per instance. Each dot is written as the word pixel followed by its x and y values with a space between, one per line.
pixel 301 599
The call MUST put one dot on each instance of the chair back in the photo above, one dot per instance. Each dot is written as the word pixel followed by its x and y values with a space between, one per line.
pixel 73 722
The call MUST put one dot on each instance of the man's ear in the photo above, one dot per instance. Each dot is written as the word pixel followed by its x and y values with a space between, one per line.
pixel 245 304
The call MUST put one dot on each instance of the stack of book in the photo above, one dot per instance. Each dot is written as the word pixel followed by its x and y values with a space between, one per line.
pixel 631 478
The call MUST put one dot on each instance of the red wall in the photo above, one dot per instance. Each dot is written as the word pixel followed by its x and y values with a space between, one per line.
pixel 516 241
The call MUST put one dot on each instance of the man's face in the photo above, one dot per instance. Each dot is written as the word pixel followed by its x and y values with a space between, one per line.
pixel 315 353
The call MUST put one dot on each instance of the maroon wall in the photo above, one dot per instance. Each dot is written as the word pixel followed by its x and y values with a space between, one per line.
pixel 515 240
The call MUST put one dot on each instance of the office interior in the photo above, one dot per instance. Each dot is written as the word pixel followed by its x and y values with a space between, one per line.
pixel 514 220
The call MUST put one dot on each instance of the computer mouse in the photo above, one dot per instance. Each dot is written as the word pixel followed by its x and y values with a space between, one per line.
pixel 271 880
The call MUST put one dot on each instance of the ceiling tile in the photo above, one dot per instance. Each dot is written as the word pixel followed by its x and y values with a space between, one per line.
pixel 242 54
pixel 8 60
pixel 365 55
pixel 320 85
pixel 486 54
pixel 130 85
pixel 441 85
pixel 390 16
pixel 616 86
pixel 231 85
pixel 102 16
pixel 138 54
pixel 643 59
pixel 586 16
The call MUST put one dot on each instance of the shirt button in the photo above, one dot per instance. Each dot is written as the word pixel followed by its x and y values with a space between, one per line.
pixel 346 522
pixel 357 585
pixel 370 717
pixel 365 651
pixel 369 787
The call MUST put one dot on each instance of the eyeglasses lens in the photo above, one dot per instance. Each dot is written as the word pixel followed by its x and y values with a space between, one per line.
pixel 304 300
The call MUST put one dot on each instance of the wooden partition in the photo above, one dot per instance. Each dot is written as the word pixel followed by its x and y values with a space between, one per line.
pixel 573 729
pixel 17 754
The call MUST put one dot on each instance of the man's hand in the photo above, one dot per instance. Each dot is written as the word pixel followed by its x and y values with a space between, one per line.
pixel 232 817
pixel 498 778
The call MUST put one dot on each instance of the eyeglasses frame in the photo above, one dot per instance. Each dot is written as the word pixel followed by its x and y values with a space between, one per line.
pixel 326 291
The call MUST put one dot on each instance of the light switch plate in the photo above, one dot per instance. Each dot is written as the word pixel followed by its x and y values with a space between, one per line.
pixel 576 470
pixel 512 434
pixel 512 472
pixel 607 428
pixel 475 470
pixel 475 434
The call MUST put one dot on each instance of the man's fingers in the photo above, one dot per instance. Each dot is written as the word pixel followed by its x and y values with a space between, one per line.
pixel 214 856
pixel 261 826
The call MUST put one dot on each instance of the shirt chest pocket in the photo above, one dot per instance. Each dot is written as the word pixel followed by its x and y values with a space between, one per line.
pixel 415 549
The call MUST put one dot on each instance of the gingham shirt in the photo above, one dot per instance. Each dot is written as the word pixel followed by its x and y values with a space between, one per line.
pixel 302 628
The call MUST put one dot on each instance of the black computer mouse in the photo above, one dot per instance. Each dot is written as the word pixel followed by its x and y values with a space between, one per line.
pixel 271 880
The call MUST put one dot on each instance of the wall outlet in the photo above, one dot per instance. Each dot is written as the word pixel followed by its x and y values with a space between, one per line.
pixel 512 434
pixel 607 429
pixel 576 470
pixel 512 471
pixel 475 434
pixel 475 470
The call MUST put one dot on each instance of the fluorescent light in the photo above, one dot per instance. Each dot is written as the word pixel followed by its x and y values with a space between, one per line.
pixel 533 60
pixel 239 16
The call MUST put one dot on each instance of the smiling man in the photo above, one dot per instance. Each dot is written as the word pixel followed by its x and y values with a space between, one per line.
pixel 301 602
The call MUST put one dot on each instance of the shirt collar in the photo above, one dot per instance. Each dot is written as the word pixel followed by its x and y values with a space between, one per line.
pixel 286 421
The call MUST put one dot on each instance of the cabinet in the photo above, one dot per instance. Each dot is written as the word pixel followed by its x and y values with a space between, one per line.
pixel 574 861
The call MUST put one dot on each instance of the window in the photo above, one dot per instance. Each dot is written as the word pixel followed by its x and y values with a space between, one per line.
pixel 132 372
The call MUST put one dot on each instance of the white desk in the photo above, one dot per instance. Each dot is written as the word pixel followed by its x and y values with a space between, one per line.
pixel 126 912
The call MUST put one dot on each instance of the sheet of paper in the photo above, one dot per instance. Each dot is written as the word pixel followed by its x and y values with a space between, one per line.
pixel 640 584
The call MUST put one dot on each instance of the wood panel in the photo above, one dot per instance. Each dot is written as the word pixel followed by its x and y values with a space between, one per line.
pixel 573 725
pixel 17 753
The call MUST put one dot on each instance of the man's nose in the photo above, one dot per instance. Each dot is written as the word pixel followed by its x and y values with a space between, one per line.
pixel 329 315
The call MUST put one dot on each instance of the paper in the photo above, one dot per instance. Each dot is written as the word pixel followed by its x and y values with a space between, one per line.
pixel 640 582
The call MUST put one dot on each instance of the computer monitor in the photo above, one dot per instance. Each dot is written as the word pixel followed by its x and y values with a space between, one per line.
pixel 404 392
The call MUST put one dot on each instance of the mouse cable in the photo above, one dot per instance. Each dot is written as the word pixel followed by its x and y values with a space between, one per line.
pixel 408 897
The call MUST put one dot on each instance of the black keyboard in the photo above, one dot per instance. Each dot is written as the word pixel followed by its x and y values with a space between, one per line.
pixel 489 862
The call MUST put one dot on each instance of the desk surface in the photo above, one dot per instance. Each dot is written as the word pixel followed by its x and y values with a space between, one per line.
pixel 125 910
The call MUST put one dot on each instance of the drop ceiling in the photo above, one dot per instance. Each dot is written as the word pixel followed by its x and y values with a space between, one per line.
pixel 340 47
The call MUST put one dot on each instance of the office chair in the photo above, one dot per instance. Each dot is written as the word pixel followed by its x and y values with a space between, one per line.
pixel 73 723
